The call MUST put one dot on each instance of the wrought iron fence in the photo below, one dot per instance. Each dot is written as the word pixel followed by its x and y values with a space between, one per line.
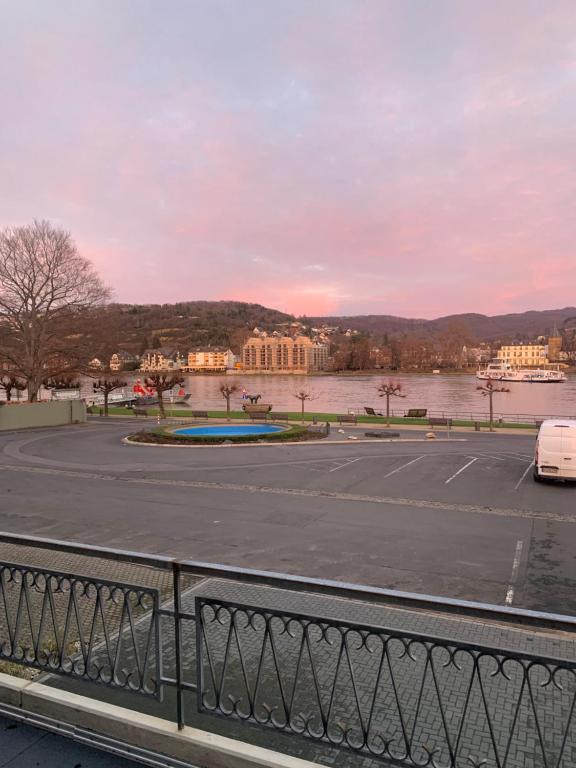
pixel 101 631
pixel 410 699
pixel 382 693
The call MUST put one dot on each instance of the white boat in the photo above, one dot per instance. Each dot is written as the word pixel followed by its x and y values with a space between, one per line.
pixel 499 370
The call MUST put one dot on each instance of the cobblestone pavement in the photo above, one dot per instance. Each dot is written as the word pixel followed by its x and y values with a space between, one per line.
pixel 486 709
pixel 440 702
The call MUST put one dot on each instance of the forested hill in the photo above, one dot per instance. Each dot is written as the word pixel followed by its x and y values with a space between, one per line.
pixel 199 323
pixel 193 323
pixel 523 325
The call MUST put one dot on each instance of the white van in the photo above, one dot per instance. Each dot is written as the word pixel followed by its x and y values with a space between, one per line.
pixel 556 450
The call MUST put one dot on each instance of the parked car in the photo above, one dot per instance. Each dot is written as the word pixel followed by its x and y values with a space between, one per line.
pixel 555 455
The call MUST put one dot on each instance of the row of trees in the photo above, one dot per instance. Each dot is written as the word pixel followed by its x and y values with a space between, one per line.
pixel 411 351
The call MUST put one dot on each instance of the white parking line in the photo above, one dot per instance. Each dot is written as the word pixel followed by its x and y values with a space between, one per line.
pixel 403 466
pixel 472 460
pixel 514 576
pixel 345 464
pixel 519 483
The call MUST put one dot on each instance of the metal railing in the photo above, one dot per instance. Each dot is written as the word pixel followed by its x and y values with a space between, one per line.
pixel 470 415
pixel 407 697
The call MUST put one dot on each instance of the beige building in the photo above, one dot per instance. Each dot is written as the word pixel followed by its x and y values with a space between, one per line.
pixel 524 355
pixel 210 359
pixel 284 354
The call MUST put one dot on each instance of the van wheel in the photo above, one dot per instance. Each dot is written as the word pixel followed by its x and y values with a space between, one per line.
pixel 536 475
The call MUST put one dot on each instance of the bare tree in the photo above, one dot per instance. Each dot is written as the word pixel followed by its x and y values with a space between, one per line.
pixel 105 339
pixel 46 291
pixel 161 382
pixel 304 395
pixel 227 389
pixel 489 390
pixel 107 385
pixel 390 389
pixel 11 383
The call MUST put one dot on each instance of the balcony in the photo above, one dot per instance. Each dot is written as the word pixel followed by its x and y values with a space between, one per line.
pixel 182 663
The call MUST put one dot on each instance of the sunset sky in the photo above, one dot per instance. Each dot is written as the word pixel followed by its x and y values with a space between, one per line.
pixel 409 157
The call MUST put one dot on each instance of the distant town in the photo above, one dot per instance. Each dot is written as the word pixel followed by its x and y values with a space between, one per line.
pixel 297 348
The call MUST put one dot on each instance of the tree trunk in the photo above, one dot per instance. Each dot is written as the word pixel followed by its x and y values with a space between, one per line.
pixel 491 412
pixel 33 387
pixel 387 410
pixel 106 393
pixel 228 407
pixel 8 390
pixel 161 403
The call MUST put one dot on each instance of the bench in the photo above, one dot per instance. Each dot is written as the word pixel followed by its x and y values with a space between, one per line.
pixel 416 413
pixel 139 411
pixel 199 414
pixel 279 416
pixel 347 418
pixel 372 412
pixel 439 422
pixel 256 416
pixel 260 409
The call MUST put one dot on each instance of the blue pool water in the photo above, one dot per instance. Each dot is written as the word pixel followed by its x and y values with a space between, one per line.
pixel 230 430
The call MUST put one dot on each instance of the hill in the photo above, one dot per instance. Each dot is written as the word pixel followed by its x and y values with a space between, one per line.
pixel 199 323
pixel 192 323
pixel 520 325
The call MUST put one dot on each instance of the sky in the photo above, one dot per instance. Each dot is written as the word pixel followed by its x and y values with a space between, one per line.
pixel 406 157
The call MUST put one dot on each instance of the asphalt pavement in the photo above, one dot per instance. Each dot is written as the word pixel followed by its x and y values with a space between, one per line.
pixel 460 518
pixel 24 746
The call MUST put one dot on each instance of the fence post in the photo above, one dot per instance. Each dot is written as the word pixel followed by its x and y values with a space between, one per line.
pixel 178 644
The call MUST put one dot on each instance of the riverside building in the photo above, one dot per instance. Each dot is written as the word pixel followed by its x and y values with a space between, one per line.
pixel 283 354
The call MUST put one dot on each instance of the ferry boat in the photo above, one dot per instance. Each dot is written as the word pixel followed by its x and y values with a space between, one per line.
pixel 499 370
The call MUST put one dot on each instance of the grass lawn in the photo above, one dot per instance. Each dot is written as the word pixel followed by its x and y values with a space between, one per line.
pixel 319 417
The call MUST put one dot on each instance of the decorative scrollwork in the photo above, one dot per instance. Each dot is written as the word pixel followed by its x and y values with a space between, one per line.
pixel 405 698
pixel 101 631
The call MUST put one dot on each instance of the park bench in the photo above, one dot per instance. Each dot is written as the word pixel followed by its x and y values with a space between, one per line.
pixel 347 418
pixel 439 422
pixel 257 416
pixel 199 414
pixel 279 416
pixel 416 413
pixel 372 412
pixel 260 408
pixel 139 411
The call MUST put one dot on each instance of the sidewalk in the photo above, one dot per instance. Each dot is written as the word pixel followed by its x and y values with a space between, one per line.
pixel 23 746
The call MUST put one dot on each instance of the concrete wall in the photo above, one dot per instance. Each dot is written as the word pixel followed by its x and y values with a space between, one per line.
pixel 52 414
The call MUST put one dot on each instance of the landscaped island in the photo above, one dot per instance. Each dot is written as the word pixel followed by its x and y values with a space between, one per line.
pixel 226 433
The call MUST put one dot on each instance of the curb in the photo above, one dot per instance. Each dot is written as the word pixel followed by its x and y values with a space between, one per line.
pixel 131 734
pixel 373 441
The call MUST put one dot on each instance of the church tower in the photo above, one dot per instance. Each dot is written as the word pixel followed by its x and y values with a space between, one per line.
pixel 554 345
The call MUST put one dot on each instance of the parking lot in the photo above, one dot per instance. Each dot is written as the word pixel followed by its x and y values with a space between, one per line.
pixel 461 518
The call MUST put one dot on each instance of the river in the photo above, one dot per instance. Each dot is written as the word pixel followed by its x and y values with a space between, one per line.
pixel 339 394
